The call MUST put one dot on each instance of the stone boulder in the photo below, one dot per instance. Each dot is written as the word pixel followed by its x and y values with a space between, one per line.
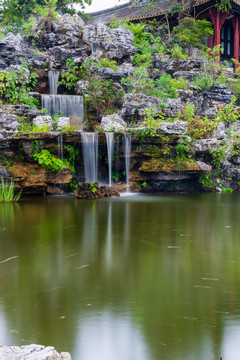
pixel 213 98
pixel 205 145
pixel 167 64
pixel 15 41
pixel 175 128
pixel 32 352
pixel 62 122
pixel 22 110
pixel 81 87
pixel 113 122
pixel 107 73
pixel 43 121
pixel 94 191
pixel 110 43
pixel 35 180
pixel 135 105
pixel 8 125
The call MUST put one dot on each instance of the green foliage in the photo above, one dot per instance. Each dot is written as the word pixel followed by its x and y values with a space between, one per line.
pixel 15 86
pixel 7 192
pixel 103 97
pixel 72 154
pixel 178 53
pixel 93 188
pixel 207 181
pixel 201 128
pixel 183 148
pixel 48 161
pixel 228 114
pixel 152 121
pixel 204 81
pixel 191 32
pixel 105 63
pixel 19 15
pixel 227 190
pixel 139 34
pixel 167 86
pixel 71 76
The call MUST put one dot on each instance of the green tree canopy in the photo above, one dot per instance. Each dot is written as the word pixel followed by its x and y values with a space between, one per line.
pixel 14 13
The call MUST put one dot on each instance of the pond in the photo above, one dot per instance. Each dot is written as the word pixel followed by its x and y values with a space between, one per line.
pixel 138 277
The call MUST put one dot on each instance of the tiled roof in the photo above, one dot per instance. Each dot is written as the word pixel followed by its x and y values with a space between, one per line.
pixel 130 12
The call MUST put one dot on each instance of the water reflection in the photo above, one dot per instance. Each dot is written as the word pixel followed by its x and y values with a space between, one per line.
pixel 160 273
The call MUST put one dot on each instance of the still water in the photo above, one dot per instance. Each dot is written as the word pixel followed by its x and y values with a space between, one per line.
pixel 134 278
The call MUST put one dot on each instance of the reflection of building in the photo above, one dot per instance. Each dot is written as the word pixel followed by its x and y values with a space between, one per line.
pixel 226 24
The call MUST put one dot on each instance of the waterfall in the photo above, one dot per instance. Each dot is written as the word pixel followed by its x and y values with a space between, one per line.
pixel 60 146
pixel 110 138
pixel 64 105
pixel 90 156
pixel 53 77
pixel 127 148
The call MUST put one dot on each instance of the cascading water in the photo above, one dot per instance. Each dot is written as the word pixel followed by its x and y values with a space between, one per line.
pixel 127 150
pixel 64 105
pixel 60 146
pixel 90 156
pixel 110 138
pixel 53 77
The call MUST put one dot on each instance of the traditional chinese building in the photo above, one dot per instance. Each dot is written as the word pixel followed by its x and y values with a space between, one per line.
pixel 226 24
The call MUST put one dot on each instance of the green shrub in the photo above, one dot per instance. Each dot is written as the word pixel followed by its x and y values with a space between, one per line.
pixel 7 192
pixel 105 63
pixel 204 82
pixel 48 161
pixel 16 85
pixel 201 128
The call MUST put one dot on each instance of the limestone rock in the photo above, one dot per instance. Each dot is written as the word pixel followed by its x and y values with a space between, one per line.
pixel 203 166
pixel 62 122
pixel 109 43
pixel 31 352
pixel 204 145
pixel 107 73
pixel 220 131
pixel 8 125
pixel 213 98
pixel 15 41
pixel 135 105
pixel 22 110
pixel 177 127
pixel 170 66
pixel 42 121
pixel 113 122
pixel 81 87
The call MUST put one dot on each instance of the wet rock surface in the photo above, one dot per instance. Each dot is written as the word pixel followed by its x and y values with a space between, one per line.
pixel 8 125
pixel 32 352
pixel 92 191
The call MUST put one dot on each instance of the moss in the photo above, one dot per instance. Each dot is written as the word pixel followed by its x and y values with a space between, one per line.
pixel 158 165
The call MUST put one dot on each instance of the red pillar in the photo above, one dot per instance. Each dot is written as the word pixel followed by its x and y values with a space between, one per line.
pixel 235 22
pixel 218 21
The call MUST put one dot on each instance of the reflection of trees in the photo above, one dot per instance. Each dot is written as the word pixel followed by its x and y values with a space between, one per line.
pixel 146 258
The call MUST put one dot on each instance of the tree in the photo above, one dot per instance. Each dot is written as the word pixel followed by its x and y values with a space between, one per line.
pixel 14 13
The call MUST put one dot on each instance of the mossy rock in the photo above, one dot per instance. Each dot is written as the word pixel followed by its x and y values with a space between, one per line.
pixel 161 165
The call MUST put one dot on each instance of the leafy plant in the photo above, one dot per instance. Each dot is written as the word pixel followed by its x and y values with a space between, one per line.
pixel 7 192
pixel 48 161
pixel 204 82
pixel 201 128
pixel 105 63
pixel 16 85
